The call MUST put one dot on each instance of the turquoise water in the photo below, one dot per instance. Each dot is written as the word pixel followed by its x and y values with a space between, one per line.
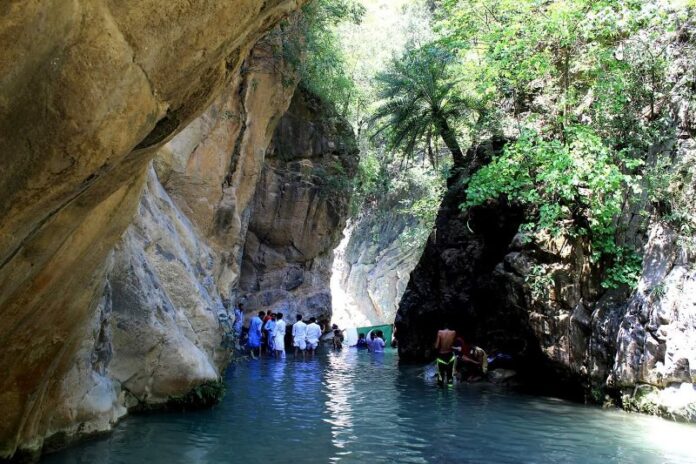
pixel 354 407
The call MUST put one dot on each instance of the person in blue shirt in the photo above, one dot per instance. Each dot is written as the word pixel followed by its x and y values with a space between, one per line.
pixel 254 342
pixel 362 342
pixel 378 343
pixel 270 334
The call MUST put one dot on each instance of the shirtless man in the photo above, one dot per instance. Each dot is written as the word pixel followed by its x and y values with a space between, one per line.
pixel 445 355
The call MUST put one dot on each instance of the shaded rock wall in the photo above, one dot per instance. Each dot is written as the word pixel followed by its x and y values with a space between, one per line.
pixel 169 269
pixel 92 89
pixel 454 273
pixel 540 299
pixel 299 211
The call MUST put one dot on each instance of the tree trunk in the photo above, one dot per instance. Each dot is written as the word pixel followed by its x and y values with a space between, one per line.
pixel 431 156
pixel 450 139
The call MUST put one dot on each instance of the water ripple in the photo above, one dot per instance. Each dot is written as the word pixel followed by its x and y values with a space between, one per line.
pixel 351 407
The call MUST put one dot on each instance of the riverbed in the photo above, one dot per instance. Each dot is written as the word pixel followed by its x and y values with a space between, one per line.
pixel 357 407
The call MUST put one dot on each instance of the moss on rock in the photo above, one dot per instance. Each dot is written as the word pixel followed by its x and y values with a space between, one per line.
pixel 205 395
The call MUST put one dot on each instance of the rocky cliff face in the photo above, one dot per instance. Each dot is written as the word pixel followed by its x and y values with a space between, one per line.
pixel 92 92
pixel 654 369
pixel 178 259
pixel 540 298
pixel 299 212
pixel 373 264
pixel 452 278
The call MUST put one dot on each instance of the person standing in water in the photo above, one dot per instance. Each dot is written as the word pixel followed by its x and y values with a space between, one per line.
pixel 362 342
pixel 371 341
pixel 299 335
pixel 255 334
pixel 378 342
pixel 270 334
pixel 337 339
pixel 238 320
pixel 279 343
pixel 264 334
pixel 445 355
pixel 313 335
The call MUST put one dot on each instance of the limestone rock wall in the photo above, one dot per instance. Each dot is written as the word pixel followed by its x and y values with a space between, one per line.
pixel 373 265
pixel 91 91
pixel 178 260
pixel 171 268
pixel 654 368
pixel 212 169
pixel 299 212
pixel 165 337
pixel 655 363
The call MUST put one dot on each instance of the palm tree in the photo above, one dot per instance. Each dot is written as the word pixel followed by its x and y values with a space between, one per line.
pixel 418 99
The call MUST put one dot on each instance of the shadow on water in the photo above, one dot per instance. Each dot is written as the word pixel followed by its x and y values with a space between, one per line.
pixel 356 407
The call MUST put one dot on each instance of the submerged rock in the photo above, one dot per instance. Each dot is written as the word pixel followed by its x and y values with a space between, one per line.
pixel 501 376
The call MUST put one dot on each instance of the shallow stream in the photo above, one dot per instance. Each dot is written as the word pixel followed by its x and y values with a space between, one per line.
pixel 356 407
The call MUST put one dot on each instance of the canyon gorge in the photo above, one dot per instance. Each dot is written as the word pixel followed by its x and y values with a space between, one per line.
pixel 152 177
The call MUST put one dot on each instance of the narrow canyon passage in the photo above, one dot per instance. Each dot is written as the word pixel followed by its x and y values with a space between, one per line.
pixel 514 178
pixel 356 407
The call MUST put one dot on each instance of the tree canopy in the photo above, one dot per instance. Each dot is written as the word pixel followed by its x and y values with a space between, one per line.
pixel 579 88
pixel 418 101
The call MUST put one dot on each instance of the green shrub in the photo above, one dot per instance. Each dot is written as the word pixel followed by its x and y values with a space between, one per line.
pixel 572 188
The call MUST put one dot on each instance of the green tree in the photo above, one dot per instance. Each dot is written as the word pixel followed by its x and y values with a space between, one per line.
pixel 582 88
pixel 574 187
pixel 313 47
pixel 418 101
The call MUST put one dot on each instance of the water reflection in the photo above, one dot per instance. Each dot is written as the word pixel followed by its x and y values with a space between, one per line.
pixel 352 407
pixel 341 395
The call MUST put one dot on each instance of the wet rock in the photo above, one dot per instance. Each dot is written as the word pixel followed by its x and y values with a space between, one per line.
pixel 501 376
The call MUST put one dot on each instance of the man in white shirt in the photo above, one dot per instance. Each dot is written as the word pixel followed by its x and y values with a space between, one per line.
pixel 279 343
pixel 299 335
pixel 378 343
pixel 313 335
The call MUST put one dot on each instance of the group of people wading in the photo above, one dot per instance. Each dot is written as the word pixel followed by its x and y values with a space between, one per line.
pixel 267 332
pixel 457 358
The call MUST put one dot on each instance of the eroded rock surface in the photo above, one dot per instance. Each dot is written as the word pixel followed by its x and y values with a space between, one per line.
pixel 176 262
pixel 91 91
pixel 164 304
pixel 374 263
pixel 299 212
